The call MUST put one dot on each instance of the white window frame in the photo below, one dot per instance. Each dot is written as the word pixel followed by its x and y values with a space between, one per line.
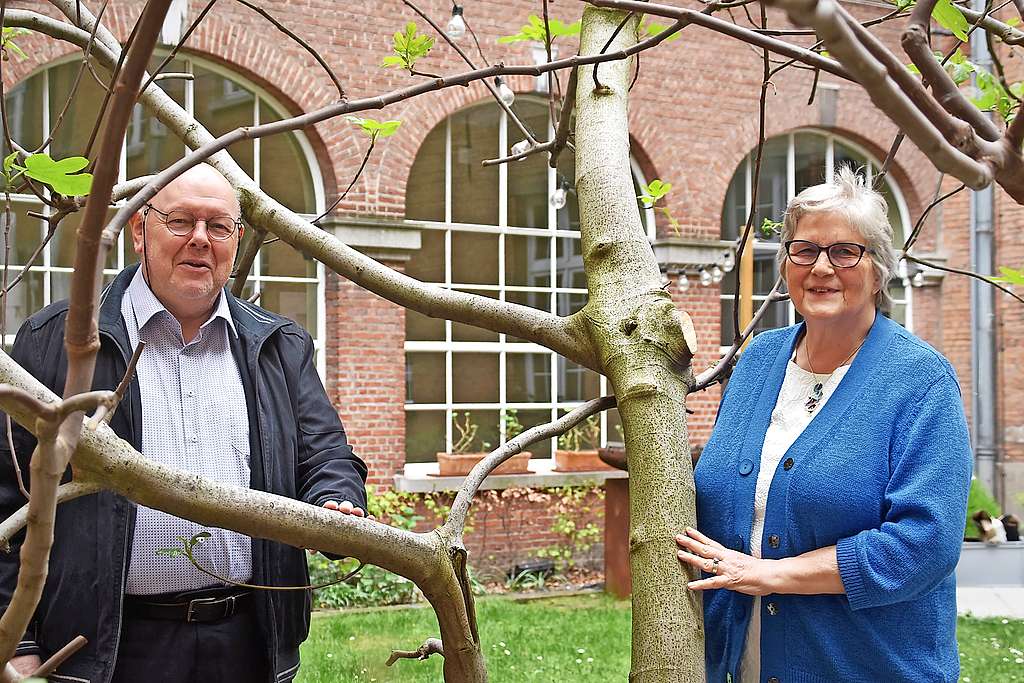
pixel 503 347
pixel 767 247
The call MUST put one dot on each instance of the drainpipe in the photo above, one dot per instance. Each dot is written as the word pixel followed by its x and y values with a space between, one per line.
pixel 983 338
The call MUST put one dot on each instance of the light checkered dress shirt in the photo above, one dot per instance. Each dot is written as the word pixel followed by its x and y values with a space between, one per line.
pixel 193 418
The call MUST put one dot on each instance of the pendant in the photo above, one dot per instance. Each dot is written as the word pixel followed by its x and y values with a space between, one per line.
pixel 815 398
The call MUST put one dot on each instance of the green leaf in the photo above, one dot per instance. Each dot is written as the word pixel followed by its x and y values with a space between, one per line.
pixel 655 190
pixel 653 28
pixel 375 128
pixel 1010 276
pixel 9 163
pixel 408 46
pixel 9 34
pixel 1012 21
pixel 534 31
pixel 950 17
pixel 62 175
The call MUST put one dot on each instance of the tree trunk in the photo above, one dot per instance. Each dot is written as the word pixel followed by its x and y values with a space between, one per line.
pixel 645 345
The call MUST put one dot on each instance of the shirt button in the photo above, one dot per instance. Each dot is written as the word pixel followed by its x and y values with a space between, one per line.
pixel 773 609
pixel 746 467
pixel 773 679
pixel 193 439
pixel 788 465
pixel 773 541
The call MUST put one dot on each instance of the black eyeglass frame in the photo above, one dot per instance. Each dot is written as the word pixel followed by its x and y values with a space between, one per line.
pixel 164 215
pixel 827 248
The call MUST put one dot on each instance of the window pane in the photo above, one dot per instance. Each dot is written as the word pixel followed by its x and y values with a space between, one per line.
pixel 475 187
pixel 809 160
pixel 73 134
pixel 532 418
pixel 424 378
pixel 527 377
pixel 24 300
pixel 569 303
pixel 24 104
pixel 777 315
pixel 294 300
pixel 575 382
pixel 528 178
pixel 734 213
pixel 474 258
pixel 569 266
pixel 772 188
pixel 283 260
pixel 475 377
pixel 149 146
pixel 846 156
pixel 424 435
pixel 25 235
pixel 222 106
pixel 568 217
pixel 471 333
pixel 424 192
pixel 427 264
pixel 284 172
pixel 538 300
pixel 527 261
pixel 614 433
pixel 62 246
pixel 487 436
pixel 419 327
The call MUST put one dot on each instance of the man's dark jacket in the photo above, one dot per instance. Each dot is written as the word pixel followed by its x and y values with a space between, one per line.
pixel 298 449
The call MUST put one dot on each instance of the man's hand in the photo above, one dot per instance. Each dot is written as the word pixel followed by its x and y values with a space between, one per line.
pixel 26 664
pixel 345 507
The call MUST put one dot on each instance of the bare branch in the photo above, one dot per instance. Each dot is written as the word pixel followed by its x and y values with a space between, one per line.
pixel 533 149
pixel 302 43
pixel 59 657
pixel 460 507
pixel 564 118
pixel 1005 32
pixel 968 273
pixel 341 197
pixel 728 28
pixel 105 412
pixel 432 646
pixel 65 492
pixel 714 373
pixel 158 73
pixel 912 238
pixel 246 258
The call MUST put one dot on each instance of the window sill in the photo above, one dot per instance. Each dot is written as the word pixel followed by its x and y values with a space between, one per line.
pixel 421 477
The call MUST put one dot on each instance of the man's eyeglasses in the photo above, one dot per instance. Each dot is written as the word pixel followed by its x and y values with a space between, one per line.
pixel 182 223
pixel 840 254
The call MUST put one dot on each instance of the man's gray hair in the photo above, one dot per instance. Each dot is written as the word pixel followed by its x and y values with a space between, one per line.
pixel 864 209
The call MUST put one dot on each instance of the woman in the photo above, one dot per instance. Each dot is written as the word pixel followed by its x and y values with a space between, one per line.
pixel 832 493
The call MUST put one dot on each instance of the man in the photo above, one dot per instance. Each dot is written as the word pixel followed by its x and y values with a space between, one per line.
pixel 223 388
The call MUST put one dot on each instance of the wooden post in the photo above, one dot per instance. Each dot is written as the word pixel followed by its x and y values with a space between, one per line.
pixel 617 580
pixel 746 303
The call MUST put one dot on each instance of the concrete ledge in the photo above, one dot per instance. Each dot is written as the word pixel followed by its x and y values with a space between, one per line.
pixel 679 252
pixel 387 239
pixel 417 478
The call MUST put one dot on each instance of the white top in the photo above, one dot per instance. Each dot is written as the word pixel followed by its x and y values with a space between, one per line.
pixel 194 418
pixel 789 419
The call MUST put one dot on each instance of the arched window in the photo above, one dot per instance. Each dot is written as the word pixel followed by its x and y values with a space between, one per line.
pixel 790 164
pixel 503 232
pixel 283 165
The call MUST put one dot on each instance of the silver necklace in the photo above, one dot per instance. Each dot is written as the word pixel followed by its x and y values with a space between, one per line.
pixel 817 390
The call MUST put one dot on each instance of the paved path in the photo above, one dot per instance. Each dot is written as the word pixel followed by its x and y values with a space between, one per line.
pixel 994 601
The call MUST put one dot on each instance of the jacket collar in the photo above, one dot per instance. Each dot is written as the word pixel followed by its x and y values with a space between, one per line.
pixel 251 323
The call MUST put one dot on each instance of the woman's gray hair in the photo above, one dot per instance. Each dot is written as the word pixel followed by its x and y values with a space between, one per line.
pixel 864 209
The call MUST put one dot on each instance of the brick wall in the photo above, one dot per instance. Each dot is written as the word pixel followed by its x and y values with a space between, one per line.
pixel 693 119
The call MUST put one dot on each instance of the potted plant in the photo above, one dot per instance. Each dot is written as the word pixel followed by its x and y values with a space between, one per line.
pixel 463 456
pixel 577 448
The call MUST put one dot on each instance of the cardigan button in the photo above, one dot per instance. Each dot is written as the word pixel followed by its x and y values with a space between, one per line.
pixel 746 467
pixel 773 540
pixel 788 465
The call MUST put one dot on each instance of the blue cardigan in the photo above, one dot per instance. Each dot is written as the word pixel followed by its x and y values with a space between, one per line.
pixel 882 472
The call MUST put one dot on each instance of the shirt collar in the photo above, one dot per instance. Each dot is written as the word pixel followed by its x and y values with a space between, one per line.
pixel 146 304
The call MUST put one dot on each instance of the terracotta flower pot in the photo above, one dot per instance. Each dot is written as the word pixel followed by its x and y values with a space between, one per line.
pixel 579 461
pixel 459 464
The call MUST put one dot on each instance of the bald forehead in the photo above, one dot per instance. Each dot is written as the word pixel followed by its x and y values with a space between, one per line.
pixel 199 184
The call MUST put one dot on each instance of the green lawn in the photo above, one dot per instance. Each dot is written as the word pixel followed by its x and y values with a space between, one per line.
pixel 581 638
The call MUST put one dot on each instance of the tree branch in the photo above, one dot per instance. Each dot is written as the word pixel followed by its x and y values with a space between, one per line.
pixel 432 646
pixel 960 271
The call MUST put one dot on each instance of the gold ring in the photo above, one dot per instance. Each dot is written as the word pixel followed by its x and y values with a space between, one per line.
pixel 714 566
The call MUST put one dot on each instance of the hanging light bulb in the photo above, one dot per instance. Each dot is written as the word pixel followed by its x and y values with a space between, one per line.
pixel 684 282
pixel 717 275
pixel 521 147
pixel 456 25
pixel 918 279
pixel 505 93
pixel 561 193
pixel 705 278
pixel 728 261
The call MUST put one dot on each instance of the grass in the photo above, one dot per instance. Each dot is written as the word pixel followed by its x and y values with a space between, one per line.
pixel 579 638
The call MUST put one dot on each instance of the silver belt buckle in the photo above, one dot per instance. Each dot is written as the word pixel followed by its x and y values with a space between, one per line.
pixel 192 604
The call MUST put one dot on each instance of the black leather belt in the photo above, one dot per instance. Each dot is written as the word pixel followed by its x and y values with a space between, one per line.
pixel 205 609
